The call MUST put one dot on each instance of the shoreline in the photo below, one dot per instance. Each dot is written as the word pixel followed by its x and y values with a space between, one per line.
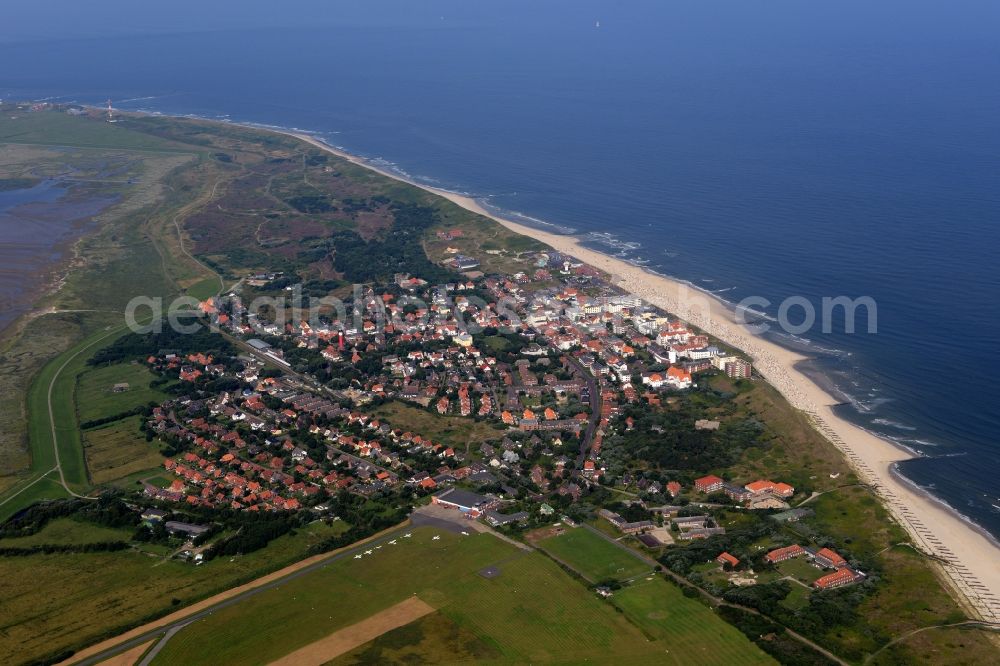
pixel 939 529
pixel 966 551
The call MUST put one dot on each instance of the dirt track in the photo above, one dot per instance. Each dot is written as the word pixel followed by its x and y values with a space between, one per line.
pixel 348 638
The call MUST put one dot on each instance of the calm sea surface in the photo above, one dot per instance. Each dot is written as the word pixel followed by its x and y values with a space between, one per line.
pixel 773 149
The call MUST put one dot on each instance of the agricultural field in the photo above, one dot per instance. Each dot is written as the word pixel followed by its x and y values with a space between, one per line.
pixel 96 397
pixel 117 450
pixel 593 557
pixel 486 614
pixel 63 601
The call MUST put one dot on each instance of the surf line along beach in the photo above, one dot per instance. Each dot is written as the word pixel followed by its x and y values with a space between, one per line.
pixel 968 555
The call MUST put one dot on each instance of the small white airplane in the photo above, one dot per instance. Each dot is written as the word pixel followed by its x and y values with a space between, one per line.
pixel 407 535
pixel 368 552
pixel 377 547
pixel 358 557
pixel 392 543
pixel 436 537
pixel 464 533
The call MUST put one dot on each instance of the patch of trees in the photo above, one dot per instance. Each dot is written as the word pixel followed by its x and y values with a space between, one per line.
pixel 253 534
pixel 109 510
pixel 399 251
pixel 632 513
pixel 135 411
pixel 140 345
pixel 50 548
pixel 668 439
pixel 764 597
pixel 772 638
pixel 737 541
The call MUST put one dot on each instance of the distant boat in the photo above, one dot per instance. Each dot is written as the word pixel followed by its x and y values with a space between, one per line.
pixel 597 24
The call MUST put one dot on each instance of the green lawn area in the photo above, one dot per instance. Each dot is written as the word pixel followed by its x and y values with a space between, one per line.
pixel 95 398
pixel 455 431
pixel 496 620
pixel 801 569
pixel 60 129
pixel 686 631
pixel 593 557
pixel 68 531
pixel 204 289
pixel 59 601
pixel 433 639
pixel 797 599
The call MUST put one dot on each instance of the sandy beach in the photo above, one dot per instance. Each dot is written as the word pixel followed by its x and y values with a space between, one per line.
pixel 971 558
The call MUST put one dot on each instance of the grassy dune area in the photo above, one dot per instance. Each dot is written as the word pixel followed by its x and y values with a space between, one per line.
pixel 495 619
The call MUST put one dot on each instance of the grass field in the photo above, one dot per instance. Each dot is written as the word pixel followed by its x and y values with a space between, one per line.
pixel 453 431
pixel 593 557
pixel 801 569
pixel 117 450
pixel 204 289
pixel 60 601
pixel 68 531
pixel 95 399
pixel 687 631
pixel 60 129
pixel 433 639
pixel 498 620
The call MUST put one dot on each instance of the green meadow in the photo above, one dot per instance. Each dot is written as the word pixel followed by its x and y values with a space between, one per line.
pixel 592 556
pixel 504 619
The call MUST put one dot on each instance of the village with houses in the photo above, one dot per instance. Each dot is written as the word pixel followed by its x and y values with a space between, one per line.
pixel 369 386
pixel 555 365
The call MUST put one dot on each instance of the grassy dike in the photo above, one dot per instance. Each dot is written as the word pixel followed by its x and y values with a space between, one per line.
pixel 129 252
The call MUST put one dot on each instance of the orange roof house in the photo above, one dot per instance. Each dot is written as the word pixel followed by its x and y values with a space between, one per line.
pixel 768 486
pixel 678 375
pixel 829 558
pixel 838 578
pixel 725 558
pixel 786 553
pixel 708 484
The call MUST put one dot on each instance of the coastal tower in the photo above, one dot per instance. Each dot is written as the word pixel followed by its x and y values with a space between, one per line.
pixel 111 112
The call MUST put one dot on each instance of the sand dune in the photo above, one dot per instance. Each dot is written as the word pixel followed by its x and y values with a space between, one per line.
pixel 973 558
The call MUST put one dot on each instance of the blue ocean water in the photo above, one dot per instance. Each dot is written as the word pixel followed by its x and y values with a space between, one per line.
pixel 772 149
